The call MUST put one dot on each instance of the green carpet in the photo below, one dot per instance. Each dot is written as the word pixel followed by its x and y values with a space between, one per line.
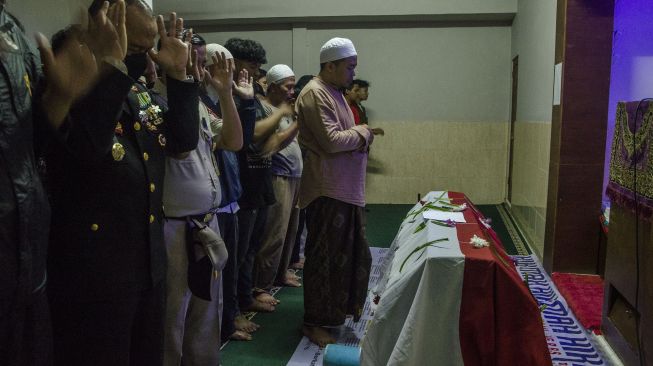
pixel 505 229
pixel 276 340
pixel 280 333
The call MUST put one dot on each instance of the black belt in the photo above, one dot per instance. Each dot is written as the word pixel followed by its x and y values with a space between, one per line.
pixel 205 217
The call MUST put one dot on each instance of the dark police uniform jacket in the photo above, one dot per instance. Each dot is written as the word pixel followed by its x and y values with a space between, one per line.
pixel 24 210
pixel 106 174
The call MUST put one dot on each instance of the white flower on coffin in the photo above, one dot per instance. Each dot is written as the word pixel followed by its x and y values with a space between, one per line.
pixel 459 208
pixel 479 242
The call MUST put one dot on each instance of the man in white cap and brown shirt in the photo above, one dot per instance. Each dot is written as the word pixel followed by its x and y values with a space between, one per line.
pixel 332 190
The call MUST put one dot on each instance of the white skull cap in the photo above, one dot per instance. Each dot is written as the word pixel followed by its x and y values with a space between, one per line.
pixel 337 49
pixel 211 49
pixel 278 73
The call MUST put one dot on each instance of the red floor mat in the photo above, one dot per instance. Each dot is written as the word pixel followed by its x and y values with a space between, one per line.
pixel 584 294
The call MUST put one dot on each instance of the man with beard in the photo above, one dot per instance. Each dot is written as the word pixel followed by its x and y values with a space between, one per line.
pixel 332 189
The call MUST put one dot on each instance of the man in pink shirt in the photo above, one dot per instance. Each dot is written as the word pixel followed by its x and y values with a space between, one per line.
pixel 332 190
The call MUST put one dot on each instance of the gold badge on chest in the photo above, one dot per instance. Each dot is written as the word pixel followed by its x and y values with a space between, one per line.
pixel 118 151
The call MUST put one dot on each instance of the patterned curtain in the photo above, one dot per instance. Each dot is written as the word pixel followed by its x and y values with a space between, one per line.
pixel 631 162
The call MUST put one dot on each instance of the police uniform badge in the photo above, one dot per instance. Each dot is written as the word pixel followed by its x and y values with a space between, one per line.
pixel 162 140
pixel 118 151
pixel 151 127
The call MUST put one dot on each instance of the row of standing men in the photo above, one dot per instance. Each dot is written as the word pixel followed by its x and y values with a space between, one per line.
pixel 134 171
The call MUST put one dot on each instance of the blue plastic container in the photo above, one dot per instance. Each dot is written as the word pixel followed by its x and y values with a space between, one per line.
pixel 339 355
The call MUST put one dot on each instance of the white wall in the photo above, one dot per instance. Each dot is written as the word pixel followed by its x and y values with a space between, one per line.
pixel 533 40
pixel 426 74
pixel 277 43
pixel 257 9
pixel 48 16
pixel 417 74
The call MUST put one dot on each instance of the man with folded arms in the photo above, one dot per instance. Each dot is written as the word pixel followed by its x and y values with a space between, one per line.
pixel 278 239
pixel 332 189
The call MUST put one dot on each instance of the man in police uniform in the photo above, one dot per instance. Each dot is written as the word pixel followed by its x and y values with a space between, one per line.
pixel 27 109
pixel 107 256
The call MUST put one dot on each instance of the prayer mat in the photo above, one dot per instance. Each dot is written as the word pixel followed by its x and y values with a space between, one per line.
pixel 584 294
pixel 351 333
pixel 569 343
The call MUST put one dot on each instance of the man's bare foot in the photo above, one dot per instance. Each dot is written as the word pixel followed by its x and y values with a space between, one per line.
pixel 240 335
pixel 291 283
pixel 298 265
pixel 266 298
pixel 290 275
pixel 241 323
pixel 318 335
pixel 258 306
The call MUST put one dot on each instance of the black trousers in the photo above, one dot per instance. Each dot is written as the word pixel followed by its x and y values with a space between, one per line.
pixel 251 223
pixel 25 333
pixel 124 331
pixel 229 229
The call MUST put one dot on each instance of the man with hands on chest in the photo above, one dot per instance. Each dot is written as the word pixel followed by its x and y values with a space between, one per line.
pixel 107 259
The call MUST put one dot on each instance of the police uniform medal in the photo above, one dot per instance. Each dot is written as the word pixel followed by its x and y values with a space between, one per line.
pixel 118 151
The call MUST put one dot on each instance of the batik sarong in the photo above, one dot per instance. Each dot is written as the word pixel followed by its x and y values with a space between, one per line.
pixel 338 261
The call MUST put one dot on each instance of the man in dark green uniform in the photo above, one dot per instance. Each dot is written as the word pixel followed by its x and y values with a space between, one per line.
pixel 107 255
pixel 27 110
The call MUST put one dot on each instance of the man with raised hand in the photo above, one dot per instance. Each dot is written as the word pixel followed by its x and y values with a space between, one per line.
pixel 255 172
pixel 34 101
pixel 107 257
pixel 192 192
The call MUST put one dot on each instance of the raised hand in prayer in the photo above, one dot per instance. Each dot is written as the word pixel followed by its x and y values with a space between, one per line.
pixel 221 75
pixel 244 87
pixel 173 55
pixel 73 70
pixel 106 32
pixel 192 67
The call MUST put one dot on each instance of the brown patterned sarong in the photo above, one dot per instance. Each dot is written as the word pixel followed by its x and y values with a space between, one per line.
pixel 338 262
